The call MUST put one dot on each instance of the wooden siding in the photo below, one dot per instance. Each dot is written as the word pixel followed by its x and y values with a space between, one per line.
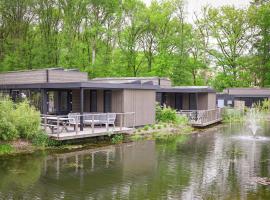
pixel 142 102
pixel 76 101
pixel 40 76
pixel 202 101
pixel 117 101
pixel 248 91
pixel 212 101
pixel 23 77
pixel 61 76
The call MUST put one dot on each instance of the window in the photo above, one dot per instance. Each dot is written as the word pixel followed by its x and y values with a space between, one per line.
pixel 107 101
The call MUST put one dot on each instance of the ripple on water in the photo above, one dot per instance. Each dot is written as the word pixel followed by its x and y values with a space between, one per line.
pixel 251 138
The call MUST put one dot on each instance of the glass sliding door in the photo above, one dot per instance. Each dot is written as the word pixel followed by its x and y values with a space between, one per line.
pixel 192 101
pixel 178 102
pixel 107 101
pixel 59 102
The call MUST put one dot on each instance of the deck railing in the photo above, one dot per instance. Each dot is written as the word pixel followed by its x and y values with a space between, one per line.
pixel 202 117
pixel 91 122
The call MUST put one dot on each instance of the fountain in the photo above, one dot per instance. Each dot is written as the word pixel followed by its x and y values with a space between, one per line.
pixel 252 120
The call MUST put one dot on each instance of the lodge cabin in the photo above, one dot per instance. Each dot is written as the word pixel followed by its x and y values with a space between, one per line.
pixel 242 97
pixel 72 106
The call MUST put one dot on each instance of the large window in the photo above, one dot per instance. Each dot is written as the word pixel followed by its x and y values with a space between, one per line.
pixel 107 101
pixel 59 102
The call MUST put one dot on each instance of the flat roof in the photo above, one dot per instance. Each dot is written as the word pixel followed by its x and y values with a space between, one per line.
pixel 76 85
pixel 187 89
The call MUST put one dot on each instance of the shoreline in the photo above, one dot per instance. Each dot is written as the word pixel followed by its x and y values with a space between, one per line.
pixel 26 147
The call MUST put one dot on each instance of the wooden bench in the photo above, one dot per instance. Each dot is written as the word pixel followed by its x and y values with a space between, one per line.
pixel 52 127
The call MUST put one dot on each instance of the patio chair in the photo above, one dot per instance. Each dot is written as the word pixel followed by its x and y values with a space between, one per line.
pixel 74 119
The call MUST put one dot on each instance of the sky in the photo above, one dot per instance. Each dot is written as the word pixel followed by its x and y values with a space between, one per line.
pixel 196 5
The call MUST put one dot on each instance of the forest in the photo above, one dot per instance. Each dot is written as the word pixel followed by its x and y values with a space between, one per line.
pixel 222 47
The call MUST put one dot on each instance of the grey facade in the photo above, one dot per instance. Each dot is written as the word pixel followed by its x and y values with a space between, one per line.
pixel 249 96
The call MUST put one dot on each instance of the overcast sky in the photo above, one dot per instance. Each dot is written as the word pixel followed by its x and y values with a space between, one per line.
pixel 196 5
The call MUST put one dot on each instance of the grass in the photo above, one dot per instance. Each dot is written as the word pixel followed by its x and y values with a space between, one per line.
pixel 6 149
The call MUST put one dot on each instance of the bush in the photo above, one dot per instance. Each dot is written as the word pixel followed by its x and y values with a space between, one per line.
pixel 18 120
pixel 169 115
pixel 8 130
pixel 233 115
pixel 42 140
pixel 6 148
pixel 26 120
pixel 117 139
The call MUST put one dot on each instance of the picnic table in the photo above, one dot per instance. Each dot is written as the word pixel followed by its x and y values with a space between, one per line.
pixel 56 123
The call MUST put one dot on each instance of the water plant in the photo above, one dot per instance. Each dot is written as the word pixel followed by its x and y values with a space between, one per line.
pixel 117 139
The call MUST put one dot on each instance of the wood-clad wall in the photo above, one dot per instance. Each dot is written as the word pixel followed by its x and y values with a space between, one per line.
pixel 76 101
pixel 202 101
pixel 100 101
pixel 24 77
pixel 142 102
pixel 40 76
pixel 212 101
pixel 61 76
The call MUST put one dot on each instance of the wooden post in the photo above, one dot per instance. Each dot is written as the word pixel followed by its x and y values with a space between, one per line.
pixel 76 125
pixel 134 120
pixel 81 108
pixel 93 125
pixel 107 124
pixel 45 123
pixel 58 128
pixel 121 121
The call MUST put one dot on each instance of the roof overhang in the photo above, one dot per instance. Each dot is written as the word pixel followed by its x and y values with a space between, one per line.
pixel 186 90
pixel 77 85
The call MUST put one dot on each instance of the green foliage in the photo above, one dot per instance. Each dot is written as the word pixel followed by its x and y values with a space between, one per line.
pixel 18 120
pixel 117 139
pixel 42 140
pixel 26 120
pixel 169 115
pixel 6 149
pixel 233 115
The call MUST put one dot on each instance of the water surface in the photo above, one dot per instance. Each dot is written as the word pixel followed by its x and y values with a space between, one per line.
pixel 218 164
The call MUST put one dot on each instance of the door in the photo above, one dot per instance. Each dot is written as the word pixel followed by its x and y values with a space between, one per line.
pixel 178 102
pixel 107 101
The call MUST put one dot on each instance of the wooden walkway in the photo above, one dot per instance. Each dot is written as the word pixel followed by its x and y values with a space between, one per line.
pixel 88 133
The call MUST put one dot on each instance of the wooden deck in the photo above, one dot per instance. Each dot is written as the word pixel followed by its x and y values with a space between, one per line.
pixel 202 118
pixel 88 133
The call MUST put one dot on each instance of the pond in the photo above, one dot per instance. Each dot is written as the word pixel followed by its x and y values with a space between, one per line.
pixel 216 164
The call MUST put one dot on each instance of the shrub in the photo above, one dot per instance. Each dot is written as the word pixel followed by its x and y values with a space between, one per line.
pixel 18 120
pixel 6 148
pixel 146 128
pixel 8 130
pixel 169 115
pixel 42 140
pixel 117 139
pixel 232 115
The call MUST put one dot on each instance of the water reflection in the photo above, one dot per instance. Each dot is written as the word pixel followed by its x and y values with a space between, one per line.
pixel 212 165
